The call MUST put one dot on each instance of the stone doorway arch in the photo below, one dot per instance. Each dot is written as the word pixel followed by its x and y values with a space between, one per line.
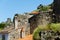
pixel 22 33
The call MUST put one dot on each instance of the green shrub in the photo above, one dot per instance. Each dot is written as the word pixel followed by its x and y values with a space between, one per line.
pixel 36 32
pixel 55 26
pixel 2 25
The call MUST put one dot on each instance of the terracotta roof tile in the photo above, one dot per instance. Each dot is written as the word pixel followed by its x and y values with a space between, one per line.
pixel 34 12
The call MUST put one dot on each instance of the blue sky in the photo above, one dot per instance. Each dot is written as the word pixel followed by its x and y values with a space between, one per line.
pixel 10 7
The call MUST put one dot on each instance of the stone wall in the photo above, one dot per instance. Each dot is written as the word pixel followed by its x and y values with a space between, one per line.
pixel 43 18
pixel 56 9
pixel 49 35
pixel 21 22
pixel 15 34
pixel 33 24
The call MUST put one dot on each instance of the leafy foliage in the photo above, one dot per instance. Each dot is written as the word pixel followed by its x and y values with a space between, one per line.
pixel 37 30
pixel 52 4
pixel 55 26
pixel 36 33
pixel 43 8
pixel 2 25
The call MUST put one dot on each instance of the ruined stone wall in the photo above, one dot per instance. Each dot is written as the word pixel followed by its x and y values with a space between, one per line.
pixel 42 18
pixel 56 9
pixel 33 24
pixel 23 24
pixel 49 35
pixel 15 34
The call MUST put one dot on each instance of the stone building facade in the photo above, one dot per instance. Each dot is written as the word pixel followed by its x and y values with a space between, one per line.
pixel 25 24
pixel 39 18
pixel 22 22
pixel 19 28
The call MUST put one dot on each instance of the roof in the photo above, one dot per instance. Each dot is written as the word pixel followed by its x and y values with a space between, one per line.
pixel 34 12
pixel 6 30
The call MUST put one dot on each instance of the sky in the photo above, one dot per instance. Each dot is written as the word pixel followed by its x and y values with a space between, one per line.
pixel 8 8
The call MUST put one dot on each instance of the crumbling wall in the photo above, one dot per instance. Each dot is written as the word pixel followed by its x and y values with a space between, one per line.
pixel 49 35
pixel 43 18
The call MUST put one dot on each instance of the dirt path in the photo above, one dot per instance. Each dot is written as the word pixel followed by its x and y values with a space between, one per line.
pixel 29 37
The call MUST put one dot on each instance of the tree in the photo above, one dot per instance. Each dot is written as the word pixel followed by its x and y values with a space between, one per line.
pixel 43 8
pixel 52 4
pixel 2 25
pixel 40 6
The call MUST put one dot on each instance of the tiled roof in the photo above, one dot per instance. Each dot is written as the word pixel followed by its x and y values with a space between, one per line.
pixel 34 13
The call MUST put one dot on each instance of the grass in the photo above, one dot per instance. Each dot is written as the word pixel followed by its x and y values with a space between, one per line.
pixel 55 27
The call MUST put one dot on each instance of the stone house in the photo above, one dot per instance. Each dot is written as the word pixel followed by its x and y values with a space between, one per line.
pixel 23 25
pixel 19 28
